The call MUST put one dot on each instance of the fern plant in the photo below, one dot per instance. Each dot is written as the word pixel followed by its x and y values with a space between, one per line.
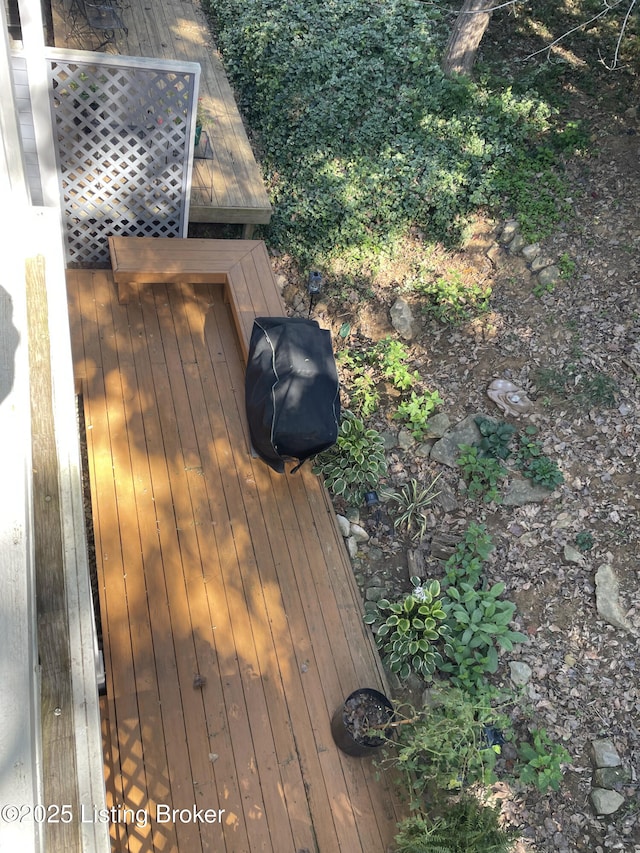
pixel 467 826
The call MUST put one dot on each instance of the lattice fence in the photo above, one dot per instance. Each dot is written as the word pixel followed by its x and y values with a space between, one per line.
pixel 124 130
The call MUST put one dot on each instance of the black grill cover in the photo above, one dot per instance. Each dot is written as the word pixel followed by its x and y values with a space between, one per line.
pixel 291 390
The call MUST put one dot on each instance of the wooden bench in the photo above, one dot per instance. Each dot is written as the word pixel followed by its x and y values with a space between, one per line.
pixel 242 267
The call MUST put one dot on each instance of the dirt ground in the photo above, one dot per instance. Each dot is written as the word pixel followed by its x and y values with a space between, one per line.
pixel 575 350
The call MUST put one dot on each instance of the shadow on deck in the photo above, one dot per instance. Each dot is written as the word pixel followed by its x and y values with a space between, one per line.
pixel 232 626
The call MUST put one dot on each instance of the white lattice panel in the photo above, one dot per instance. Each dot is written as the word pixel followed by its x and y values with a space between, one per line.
pixel 124 130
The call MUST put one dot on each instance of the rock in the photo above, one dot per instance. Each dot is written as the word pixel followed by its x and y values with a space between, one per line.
pixel 415 563
pixel 353 515
pixel 605 802
pixel 516 244
pixel 343 524
pixel 608 598
pixel 540 262
pixel 531 251
pixel 437 425
pixel 352 546
pixel 572 555
pixel 405 440
pixel 520 672
pixel 509 231
pixel 549 276
pixel 359 533
pixel 281 281
pixel 443 545
pixel 604 753
pixel 447 449
pixel 389 439
pixel 374 593
pixel 523 491
pixel 446 499
pixel 610 777
pixel 424 449
pixel 402 319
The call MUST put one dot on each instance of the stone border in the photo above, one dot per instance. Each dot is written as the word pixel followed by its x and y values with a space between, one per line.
pixel 544 268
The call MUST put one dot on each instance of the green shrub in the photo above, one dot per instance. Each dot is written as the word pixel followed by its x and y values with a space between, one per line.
pixel 417 410
pixel 482 473
pixel 450 299
pixel 478 622
pixel 541 761
pixel 445 746
pixel 409 630
pixel 544 471
pixel 354 465
pixel 496 437
pixel 465 564
pixel 466 826
pixel 392 356
pixel 360 134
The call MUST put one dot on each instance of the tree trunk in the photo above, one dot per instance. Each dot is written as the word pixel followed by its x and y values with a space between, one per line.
pixel 466 35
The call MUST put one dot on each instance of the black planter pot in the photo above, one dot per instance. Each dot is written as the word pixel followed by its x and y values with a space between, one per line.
pixel 362 710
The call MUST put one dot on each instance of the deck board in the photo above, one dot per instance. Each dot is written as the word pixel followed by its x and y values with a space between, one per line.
pixel 212 566
pixel 227 186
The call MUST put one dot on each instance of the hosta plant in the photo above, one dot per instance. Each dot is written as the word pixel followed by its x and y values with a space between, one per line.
pixel 354 465
pixel 410 631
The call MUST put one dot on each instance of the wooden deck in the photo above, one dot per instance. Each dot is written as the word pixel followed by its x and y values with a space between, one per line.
pixel 227 185
pixel 231 622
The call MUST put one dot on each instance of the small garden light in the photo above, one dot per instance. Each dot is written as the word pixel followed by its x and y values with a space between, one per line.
pixel 314 286
pixel 315 282
pixel 371 499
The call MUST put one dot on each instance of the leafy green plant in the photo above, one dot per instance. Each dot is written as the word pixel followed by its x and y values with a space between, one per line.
pixel 353 466
pixel 392 356
pixel 544 471
pixel 446 744
pixel 539 288
pixel 365 394
pixel 465 826
pixel 595 388
pixel 478 622
pixel 584 540
pixel 409 630
pixel 452 300
pixel 482 473
pixel 361 384
pixel 412 500
pixel 567 266
pixel 361 134
pixel 496 437
pixel 417 410
pixel 542 761
pixel 465 564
